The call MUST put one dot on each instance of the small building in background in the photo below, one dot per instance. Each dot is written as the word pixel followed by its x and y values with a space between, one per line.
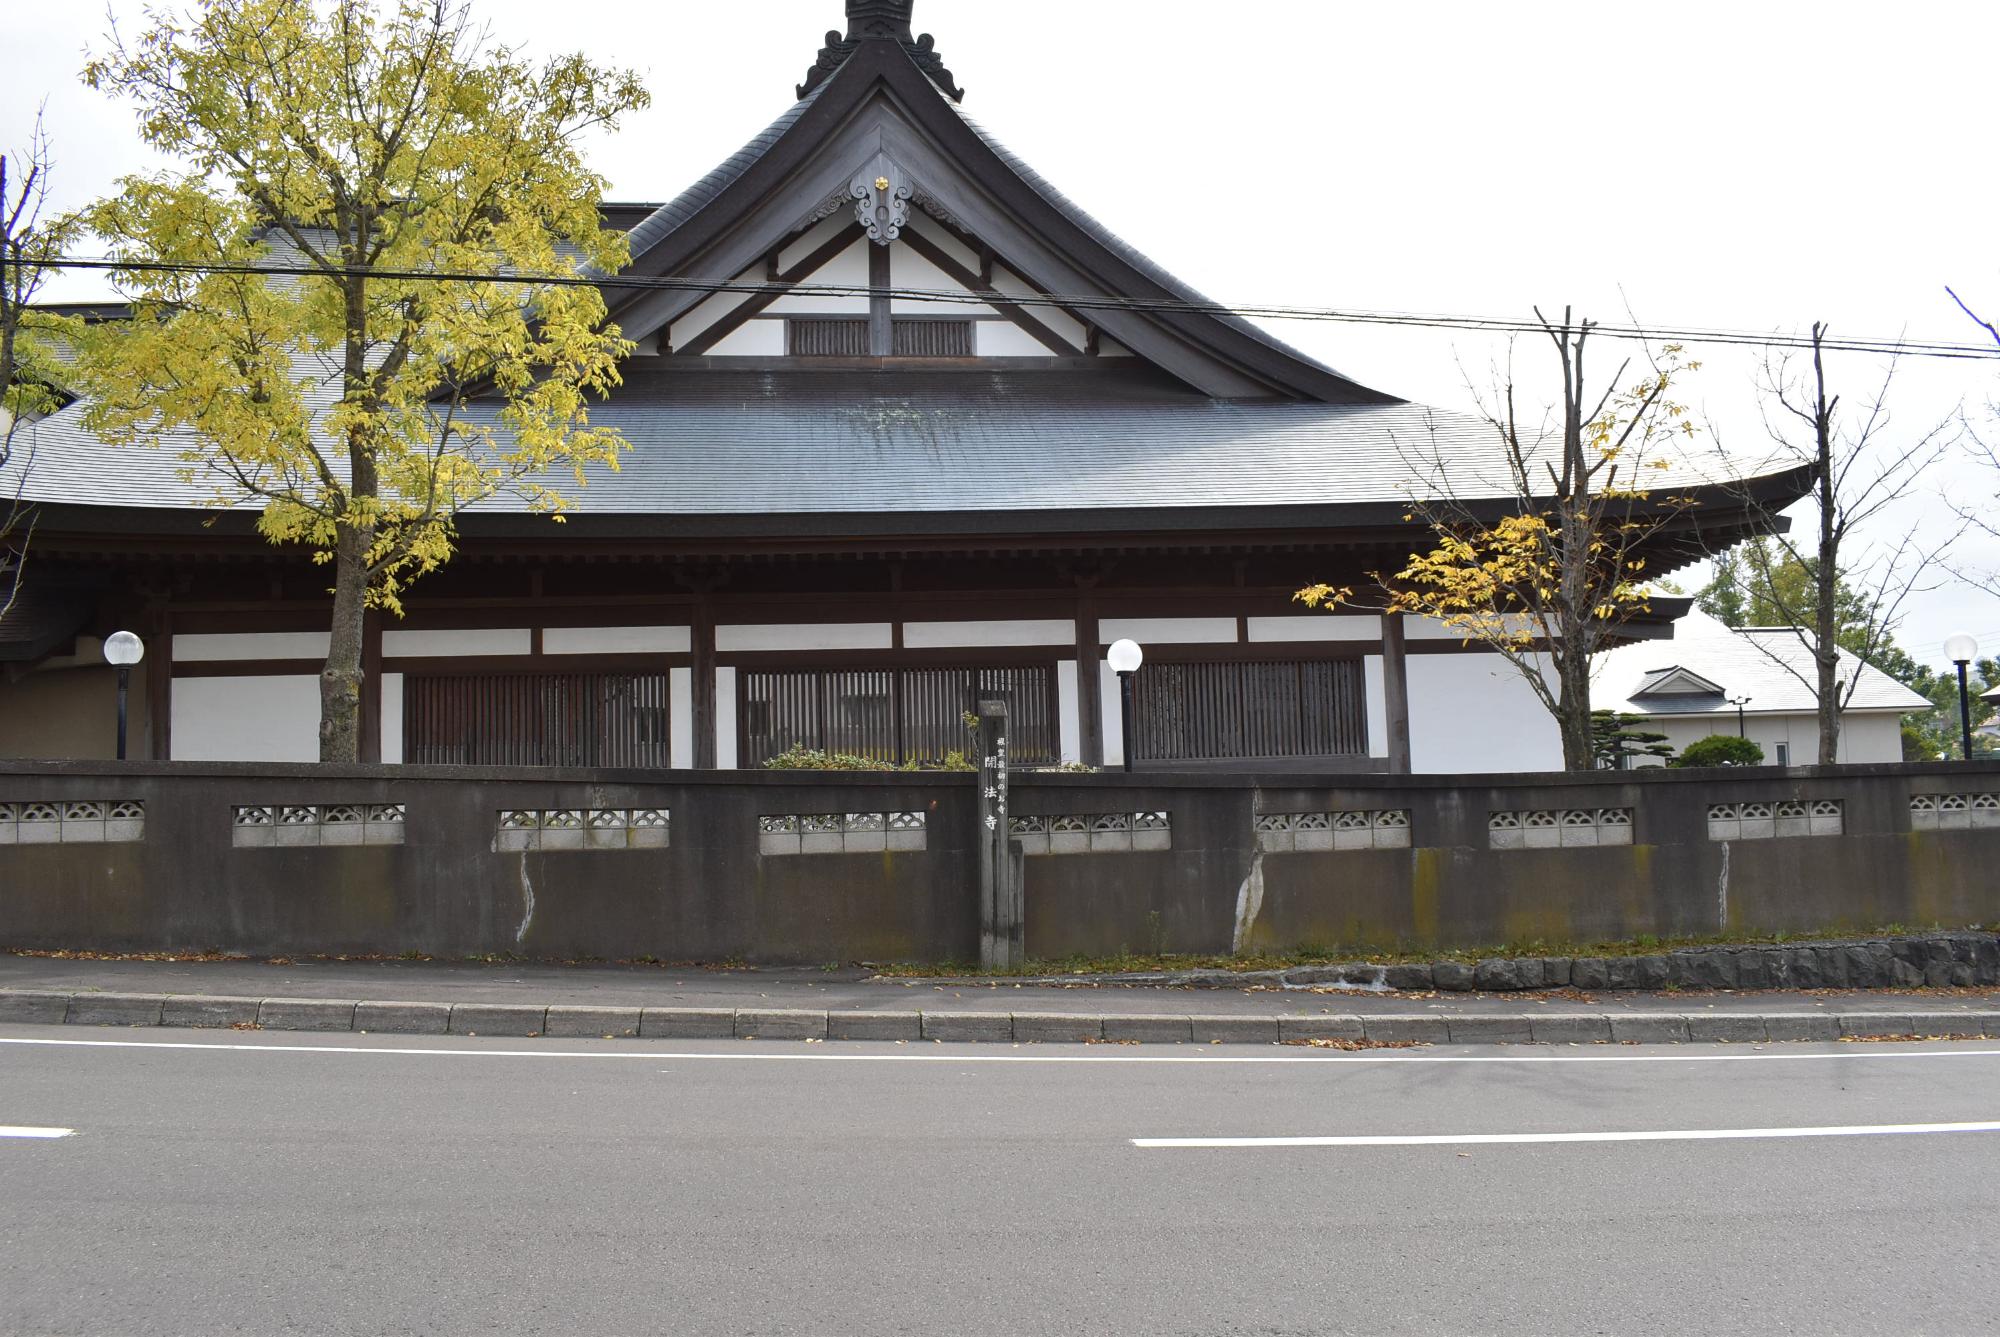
pixel 1689 687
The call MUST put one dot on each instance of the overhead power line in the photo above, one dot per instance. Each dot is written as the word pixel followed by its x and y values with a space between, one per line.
pixel 1073 303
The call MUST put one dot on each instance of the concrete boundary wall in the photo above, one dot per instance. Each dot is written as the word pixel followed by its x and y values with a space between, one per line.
pixel 1916 846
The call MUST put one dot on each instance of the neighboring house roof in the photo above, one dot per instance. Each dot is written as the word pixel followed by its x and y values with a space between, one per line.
pixel 1772 666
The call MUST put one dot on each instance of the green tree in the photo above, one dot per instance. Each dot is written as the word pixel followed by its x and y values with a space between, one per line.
pixel 1615 738
pixel 1929 737
pixel 1720 749
pixel 378 146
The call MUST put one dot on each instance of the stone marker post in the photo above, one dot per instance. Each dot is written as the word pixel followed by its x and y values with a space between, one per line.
pixel 1002 939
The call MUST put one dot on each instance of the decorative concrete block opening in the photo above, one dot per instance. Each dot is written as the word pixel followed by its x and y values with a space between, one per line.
pixel 85 821
pixel 286 826
pixel 1558 828
pixel 1954 812
pixel 840 832
pixel 1093 833
pixel 1767 821
pixel 1375 829
pixel 552 829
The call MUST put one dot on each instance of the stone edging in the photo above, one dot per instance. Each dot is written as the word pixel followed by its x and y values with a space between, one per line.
pixel 1938 960
pixel 510 1019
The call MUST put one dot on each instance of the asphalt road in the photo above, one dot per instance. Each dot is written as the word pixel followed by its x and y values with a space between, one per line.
pixel 271 1184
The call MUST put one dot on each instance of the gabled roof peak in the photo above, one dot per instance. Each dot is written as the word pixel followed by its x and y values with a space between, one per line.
pixel 880 21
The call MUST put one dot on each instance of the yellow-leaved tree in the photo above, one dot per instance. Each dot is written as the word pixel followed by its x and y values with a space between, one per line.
pixel 1546 575
pixel 406 175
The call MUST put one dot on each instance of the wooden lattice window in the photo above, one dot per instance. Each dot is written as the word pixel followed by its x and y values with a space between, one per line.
pixel 536 719
pixel 932 338
pixel 895 714
pixel 845 336
pixel 1229 710
pixel 822 337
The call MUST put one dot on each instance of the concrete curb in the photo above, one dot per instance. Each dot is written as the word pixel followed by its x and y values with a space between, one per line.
pixel 52 1008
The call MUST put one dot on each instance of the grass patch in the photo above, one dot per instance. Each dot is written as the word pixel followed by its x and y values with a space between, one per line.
pixel 1134 963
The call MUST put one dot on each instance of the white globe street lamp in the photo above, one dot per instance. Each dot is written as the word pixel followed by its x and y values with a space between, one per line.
pixel 1961 650
pixel 1125 657
pixel 122 650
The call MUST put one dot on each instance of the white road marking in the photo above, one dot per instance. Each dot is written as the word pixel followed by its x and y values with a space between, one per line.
pixel 1490 1139
pixel 22 1130
pixel 755 1053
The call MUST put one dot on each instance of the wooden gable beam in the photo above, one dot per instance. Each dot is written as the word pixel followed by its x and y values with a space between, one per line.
pixel 959 274
pixel 780 284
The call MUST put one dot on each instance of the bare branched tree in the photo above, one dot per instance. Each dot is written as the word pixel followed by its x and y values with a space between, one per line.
pixel 1857 578
pixel 1547 578
pixel 29 240
pixel 1982 514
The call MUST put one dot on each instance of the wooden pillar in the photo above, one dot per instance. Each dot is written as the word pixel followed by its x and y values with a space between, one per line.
pixel 701 633
pixel 1089 693
pixel 1396 692
pixel 881 328
pixel 160 684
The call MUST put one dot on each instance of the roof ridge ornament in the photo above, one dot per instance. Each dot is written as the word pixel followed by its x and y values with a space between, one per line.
pixel 880 21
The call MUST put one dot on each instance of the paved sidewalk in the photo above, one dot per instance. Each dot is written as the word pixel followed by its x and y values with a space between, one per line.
pixel 475 998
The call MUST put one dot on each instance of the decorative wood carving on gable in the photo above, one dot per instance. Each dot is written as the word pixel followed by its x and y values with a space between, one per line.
pixel 881 193
pixel 878 21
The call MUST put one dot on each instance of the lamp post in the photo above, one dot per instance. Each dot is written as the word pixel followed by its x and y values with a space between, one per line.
pixel 122 650
pixel 1125 658
pixel 1961 650
pixel 1739 702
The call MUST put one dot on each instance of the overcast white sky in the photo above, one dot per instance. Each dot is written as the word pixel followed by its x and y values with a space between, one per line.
pixel 1738 165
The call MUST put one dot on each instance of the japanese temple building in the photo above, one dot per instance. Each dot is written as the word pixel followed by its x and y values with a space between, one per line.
pixel 848 514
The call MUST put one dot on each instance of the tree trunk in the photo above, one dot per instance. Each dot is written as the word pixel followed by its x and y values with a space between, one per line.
pixel 340 681
pixel 1826 578
pixel 1827 653
pixel 1573 716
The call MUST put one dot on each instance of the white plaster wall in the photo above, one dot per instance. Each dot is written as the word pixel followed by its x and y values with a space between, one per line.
pixel 1317 627
pixel 1868 738
pixel 1168 630
pixel 449 644
pixel 943 238
pixel 1108 347
pixel 680 717
pixel 1474 712
pixel 1005 281
pixel 711 309
pixel 907 269
pixel 758 338
pixel 1863 737
pixel 848 269
pixel 1111 711
pixel 1069 717
pixel 934 635
pixel 392 719
pixel 1003 338
pixel 805 636
pixel 814 237
pixel 1375 692
pixel 725 717
pixel 207 647
pixel 246 719
pixel 614 640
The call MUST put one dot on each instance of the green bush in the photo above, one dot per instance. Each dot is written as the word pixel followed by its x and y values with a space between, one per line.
pixel 799 757
pixel 1720 749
